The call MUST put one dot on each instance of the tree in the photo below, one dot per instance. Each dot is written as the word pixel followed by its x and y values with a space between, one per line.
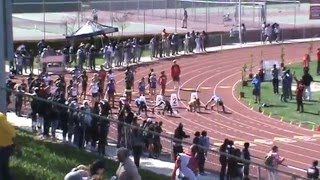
pixel 72 24
pixel 122 20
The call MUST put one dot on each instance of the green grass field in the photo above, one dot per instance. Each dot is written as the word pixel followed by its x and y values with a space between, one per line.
pixel 41 160
pixel 287 110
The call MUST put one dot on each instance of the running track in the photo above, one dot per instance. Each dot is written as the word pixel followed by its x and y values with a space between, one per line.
pixel 219 73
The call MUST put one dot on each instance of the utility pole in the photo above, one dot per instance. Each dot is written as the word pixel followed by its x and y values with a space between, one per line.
pixel 240 21
pixel 6 47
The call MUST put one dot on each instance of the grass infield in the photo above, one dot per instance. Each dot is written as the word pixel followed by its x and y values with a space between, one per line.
pixel 286 110
pixel 41 160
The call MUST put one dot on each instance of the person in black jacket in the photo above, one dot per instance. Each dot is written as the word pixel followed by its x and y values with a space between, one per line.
pixel 313 171
pixel 179 135
pixel 79 128
pixel 121 119
pixel 307 79
pixel 94 125
pixel 246 156
pixel 34 112
pixel 223 158
pixel 53 116
pixel 103 125
pixel 63 116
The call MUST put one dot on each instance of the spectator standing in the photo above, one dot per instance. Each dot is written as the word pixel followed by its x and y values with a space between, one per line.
pixel 273 159
pixel 231 161
pixel 263 31
pixel 204 143
pixel 19 100
pixel 174 44
pixel 127 169
pixel 318 60
pixel 275 79
pixel 186 43
pixel 277 32
pixel 156 139
pixel 243 33
pixel 306 62
pixel 299 94
pixel 196 139
pixel 307 79
pixel 81 56
pixel 285 86
pixel 178 136
pixel 313 171
pixel 246 155
pixel 268 32
pixel 198 42
pixel 192 43
pixel 7 135
pixel 223 158
pixel 92 58
pixel 175 74
pixel 137 145
pixel 66 56
pixel 41 45
pixel 290 79
pixel 256 88
pixel 185 18
pixel 107 55
pixel 152 47
pixel 31 57
pixel 204 39
pixel 73 57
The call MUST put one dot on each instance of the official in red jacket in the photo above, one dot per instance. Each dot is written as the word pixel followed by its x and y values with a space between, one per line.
pixel 175 74
pixel 306 61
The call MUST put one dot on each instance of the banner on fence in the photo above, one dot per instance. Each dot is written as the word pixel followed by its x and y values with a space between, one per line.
pixel 314 12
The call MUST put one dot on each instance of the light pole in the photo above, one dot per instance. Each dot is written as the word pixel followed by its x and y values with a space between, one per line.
pixel 240 14
pixel 44 19
pixel 6 47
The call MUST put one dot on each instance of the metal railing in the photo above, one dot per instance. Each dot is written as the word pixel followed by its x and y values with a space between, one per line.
pixel 258 169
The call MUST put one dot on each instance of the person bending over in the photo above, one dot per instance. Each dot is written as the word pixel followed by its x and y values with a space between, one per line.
pixel 217 101
pixel 141 104
pixel 194 105
pixel 167 107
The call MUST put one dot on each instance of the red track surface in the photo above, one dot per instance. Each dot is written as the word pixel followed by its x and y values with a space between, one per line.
pixel 219 73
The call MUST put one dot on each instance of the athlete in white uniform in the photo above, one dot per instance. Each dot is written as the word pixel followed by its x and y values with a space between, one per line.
pixel 94 87
pixel 74 91
pixel 217 101
pixel 187 165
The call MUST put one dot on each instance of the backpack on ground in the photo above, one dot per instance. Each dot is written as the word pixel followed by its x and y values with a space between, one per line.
pixel 268 160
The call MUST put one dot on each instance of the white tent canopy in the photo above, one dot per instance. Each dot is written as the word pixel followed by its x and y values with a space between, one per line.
pixel 92 28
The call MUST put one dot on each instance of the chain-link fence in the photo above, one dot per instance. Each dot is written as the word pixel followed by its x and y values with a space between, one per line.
pixel 133 17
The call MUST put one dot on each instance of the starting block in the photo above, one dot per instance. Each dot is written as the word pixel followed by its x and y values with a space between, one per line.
pixel 159 98
pixel 193 96
pixel 174 101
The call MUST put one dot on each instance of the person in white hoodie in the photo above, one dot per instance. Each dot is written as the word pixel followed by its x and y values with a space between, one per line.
pixel 107 55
